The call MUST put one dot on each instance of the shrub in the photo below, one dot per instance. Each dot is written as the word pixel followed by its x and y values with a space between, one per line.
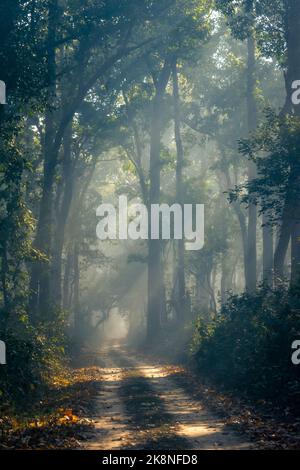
pixel 247 347
pixel 31 356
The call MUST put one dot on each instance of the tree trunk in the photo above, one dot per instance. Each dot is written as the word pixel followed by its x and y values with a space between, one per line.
pixel 241 219
pixel 63 213
pixel 67 280
pixel 226 276
pixel 40 274
pixel 155 277
pixel 181 294
pixel 267 252
pixel 202 294
pixel 251 260
pixel 76 297
pixel 154 253
pixel 283 243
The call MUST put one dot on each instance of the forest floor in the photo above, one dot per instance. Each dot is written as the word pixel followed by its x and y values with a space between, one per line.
pixel 115 398
pixel 148 405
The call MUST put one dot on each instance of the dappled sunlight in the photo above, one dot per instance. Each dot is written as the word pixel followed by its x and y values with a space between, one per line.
pixel 110 374
pixel 158 371
pixel 194 430
pixel 140 406
pixel 149 219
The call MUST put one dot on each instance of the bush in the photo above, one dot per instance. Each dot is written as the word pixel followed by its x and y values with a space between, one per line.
pixel 247 347
pixel 31 356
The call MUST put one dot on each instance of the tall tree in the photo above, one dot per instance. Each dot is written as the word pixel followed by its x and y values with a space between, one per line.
pixel 251 264
pixel 155 274
pixel 180 274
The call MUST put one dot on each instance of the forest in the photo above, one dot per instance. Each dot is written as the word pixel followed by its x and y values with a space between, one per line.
pixel 121 332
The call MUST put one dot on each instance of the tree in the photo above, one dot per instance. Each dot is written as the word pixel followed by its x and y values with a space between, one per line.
pixel 180 275
pixel 22 59
pixel 76 58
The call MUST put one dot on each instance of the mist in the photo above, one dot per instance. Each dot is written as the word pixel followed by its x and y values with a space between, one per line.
pixel 149 222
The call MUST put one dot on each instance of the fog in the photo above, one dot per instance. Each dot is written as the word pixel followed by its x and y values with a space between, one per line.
pixel 126 127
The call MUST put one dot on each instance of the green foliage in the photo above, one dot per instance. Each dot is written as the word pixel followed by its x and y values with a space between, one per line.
pixel 274 147
pixel 247 347
pixel 31 357
pixel 268 18
pixel 108 59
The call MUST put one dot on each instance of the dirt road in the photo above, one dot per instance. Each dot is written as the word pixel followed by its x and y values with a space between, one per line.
pixel 141 405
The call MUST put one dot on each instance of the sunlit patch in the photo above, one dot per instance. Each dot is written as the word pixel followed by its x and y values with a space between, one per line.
pixel 157 372
pixel 112 433
pixel 141 406
pixel 110 374
pixel 194 430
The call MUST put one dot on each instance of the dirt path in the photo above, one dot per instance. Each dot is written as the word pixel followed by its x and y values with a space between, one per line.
pixel 142 406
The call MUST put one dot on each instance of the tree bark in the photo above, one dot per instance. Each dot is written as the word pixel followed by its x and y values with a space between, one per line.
pixel 181 293
pixel 155 276
pixel 76 297
pixel 63 214
pixel 251 260
pixel 241 219
pixel 40 274
pixel 67 280
pixel 267 252
pixel 283 243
